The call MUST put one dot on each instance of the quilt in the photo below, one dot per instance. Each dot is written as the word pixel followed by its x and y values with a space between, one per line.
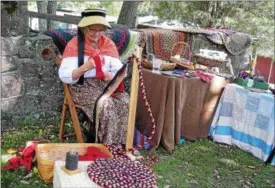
pixel 246 119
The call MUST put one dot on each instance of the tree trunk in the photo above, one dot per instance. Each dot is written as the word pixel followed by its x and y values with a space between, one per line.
pixel 127 14
pixel 42 8
pixel 51 9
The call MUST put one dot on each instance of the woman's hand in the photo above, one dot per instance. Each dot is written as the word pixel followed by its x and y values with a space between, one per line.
pixel 90 64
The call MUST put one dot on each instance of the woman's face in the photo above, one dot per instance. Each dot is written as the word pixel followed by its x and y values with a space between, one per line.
pixel 93 32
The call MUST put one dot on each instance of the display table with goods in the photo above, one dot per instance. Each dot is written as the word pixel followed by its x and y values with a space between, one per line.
pixel 181 105
pixel 245 119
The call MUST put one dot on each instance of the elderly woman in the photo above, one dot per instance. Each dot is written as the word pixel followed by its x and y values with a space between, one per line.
pixel 90 61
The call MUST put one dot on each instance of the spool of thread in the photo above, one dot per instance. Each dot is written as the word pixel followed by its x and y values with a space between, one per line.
pixel 71 160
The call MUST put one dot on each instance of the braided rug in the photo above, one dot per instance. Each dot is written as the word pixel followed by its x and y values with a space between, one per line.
pixel 120 37
pixel 112 172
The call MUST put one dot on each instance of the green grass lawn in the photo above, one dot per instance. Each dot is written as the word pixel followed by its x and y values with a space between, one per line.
pixel 193 164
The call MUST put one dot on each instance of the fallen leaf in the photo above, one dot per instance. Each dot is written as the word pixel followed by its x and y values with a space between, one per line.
pixel 11 151
pixel 167 186
pixel 252 167
pixel 35 170
pixel 160 177
pixel 24 182
pixel 192 181
pixel 167 181
pixel 217 176
pixel 28 176
pixel 216 172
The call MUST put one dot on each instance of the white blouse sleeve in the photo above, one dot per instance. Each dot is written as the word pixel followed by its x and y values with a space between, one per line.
pixel 112 64
pixel 68 65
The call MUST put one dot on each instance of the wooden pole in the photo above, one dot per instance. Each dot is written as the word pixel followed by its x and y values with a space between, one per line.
pixel 270 71
pixel 66 18
pixel 133 102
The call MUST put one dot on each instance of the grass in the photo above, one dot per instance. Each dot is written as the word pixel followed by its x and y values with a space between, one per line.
pixel 207 164
pixel 194 164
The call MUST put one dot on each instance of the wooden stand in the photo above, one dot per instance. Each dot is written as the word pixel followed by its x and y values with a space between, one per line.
pixel 133 102
pixel 71 172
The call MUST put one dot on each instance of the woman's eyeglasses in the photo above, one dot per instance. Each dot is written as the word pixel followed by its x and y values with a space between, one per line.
pixel 97 30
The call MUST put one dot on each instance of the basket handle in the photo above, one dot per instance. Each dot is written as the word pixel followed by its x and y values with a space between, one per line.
pixel 46 177
pixel 185 44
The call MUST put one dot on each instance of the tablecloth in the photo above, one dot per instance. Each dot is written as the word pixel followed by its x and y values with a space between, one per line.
pixel 246 119
pixel 182 107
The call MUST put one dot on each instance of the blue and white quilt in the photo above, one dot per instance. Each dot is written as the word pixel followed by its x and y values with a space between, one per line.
pixel 245 119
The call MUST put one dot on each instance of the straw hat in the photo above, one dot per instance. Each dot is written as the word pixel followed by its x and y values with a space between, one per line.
pixel 93 16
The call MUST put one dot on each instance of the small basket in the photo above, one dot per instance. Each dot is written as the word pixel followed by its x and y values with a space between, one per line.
pixel 47 154
pixel 164 67
pixel 210 62
pixel 180 62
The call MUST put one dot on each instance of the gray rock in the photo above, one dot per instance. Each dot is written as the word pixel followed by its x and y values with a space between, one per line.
pixel 8 64
pixel 11 85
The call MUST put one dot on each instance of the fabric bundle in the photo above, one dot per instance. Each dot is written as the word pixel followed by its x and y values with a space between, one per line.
pixel 92 154
pixel 111 172
pixel 25 159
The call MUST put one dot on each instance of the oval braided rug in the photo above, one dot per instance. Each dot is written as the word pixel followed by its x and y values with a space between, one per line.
pixel 111 173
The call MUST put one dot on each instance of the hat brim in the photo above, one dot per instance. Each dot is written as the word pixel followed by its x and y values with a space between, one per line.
pixel 91 20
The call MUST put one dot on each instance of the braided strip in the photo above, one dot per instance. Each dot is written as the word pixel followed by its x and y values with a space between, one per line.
pixel 145 100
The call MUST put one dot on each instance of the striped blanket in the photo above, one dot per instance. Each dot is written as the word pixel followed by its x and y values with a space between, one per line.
pixel 124 39
pixel 246 119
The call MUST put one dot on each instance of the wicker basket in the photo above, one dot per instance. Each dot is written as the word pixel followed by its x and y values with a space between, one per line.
pixel 179 62
pixel 210 62
pixel 47 154
pixel 165 66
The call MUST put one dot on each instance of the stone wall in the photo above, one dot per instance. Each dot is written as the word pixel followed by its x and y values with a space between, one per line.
pixel 14 18
pixel 30 87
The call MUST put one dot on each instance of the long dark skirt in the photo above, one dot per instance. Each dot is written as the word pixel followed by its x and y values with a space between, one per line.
pixel 113 113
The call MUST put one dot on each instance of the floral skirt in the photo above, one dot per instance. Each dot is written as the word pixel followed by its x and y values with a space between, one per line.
pixel 113 113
